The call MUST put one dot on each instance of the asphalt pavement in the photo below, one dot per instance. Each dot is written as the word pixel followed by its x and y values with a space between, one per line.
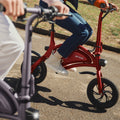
pixel 64 97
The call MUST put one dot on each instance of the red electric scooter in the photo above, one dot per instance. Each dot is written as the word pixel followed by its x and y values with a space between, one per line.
pixel 101 92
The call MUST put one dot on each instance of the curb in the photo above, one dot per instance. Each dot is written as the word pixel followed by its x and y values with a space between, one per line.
pixel 61 36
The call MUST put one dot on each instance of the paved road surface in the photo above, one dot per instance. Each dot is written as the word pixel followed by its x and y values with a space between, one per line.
pixel 65 98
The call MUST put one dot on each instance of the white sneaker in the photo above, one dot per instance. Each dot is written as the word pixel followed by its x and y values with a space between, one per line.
pixel 73 69
pixel 55 64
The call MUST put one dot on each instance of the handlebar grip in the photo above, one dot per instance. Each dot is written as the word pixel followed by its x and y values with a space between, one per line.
pixel 54 9
pixel 60 15
pixel 110 9
pixel 103 5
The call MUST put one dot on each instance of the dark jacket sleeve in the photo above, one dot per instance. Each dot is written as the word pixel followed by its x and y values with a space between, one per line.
pixel 92 2
pixel 74 3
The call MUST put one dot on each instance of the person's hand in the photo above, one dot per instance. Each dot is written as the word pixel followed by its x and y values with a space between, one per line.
pixel 108 6
pixel 13 8
pixel 62 8
pixel 114 6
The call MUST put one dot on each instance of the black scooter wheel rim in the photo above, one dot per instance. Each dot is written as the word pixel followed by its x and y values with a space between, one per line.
pixel 106 100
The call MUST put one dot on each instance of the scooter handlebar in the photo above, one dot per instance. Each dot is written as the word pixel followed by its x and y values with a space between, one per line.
pixel 110 9
pixel 49 12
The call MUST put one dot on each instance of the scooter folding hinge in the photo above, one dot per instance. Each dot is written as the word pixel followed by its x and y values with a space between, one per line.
pixel 32 87
pixel 12 90
pixel 24 99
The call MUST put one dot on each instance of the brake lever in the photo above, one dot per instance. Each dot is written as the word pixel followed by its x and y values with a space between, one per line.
pixel 113 9
pixel 60 15
pixel 110 9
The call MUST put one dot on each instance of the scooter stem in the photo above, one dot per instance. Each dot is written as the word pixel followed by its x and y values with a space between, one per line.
pixel 26 71
pixel 99 32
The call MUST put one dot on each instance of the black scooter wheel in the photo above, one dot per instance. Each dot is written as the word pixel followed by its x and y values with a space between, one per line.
pixel 107 99
pixel 40 71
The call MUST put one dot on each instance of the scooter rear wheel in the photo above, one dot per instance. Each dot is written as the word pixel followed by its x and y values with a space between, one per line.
pixel 40 71
pixel 107 99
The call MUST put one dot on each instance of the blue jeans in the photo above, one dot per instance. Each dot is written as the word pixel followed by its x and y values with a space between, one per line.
pixel 80 29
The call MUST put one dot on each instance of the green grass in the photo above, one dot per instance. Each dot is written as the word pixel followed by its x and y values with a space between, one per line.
pixel 110 27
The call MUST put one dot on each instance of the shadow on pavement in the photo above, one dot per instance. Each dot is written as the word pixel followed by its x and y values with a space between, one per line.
pixel 13 82
pixel 51 100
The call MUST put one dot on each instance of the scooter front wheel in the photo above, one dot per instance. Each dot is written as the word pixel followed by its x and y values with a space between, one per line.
pixel 107 98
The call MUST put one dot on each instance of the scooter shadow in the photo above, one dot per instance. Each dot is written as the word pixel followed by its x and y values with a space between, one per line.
pixel 13 82
pixel 51 100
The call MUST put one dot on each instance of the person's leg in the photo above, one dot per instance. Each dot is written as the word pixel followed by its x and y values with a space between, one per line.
pixel 43 4
pixel 11 45
pixel 80 29
pixel 54 61
pixel 81 32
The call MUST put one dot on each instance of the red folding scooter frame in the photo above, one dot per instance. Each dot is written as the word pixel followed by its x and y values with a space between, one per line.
pixel 80 57
pixel 84 57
